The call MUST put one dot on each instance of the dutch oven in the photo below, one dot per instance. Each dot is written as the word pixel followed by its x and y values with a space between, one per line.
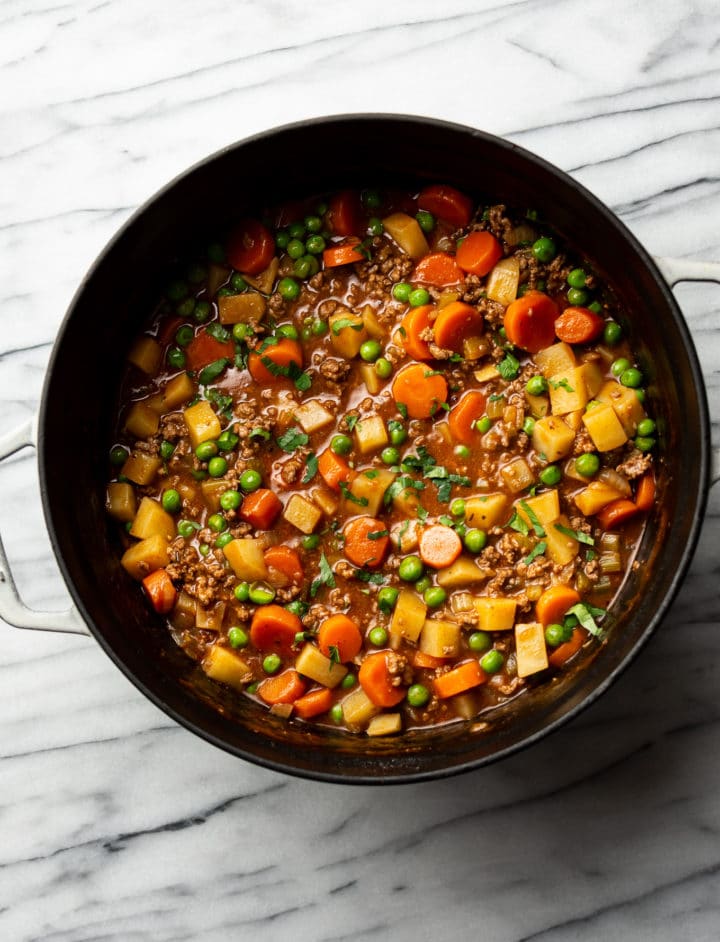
pixel 115 298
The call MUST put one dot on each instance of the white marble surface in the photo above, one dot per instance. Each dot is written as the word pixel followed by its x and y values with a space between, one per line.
pixel 117 825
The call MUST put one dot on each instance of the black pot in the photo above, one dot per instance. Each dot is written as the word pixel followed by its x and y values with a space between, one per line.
pixel 109 308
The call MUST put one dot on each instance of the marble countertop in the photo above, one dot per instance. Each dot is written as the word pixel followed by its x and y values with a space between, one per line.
pixel 117 824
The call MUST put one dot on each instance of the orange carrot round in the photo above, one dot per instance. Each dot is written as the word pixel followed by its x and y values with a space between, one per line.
pixel 261 508
pixel 438 269
pixel 530 321
pixel 366 541
pixel 376 680
pixel 426 661
pixel 447 203
pixel 616 513
pixel 160 590
pixel 463 677
pixel 564 652
pixel 284 688
pixel 478 253
pixel 273 628
pixel 342 254
pixel 462 417
pixel 341 633
pixel 420 390
pixel 578 325
pixel 413 324
pixel 251 247
pixel 204 349
pixel 554 602
pixel 285 560
pixel 334 470
pixel 440 546
pixel 455 323
pixel 274 363
pixel 645 493
pixel 313 703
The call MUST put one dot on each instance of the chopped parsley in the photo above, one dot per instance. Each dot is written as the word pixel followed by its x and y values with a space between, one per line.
pixel 223 402
pixel 325 577
pixel 402 409
pixel 562 384
pixel 401 533
pixel 218 332
pixel 353 498
pixel 344 322
pixel 575 534
pixel 586 615
pixel 259 435
pixel 212 371
pixel 351 421
pixel 377 534
pixel 532 517
pixel 311 469
pixel 363 575
pixel 292 439
pixel 371 474
pixel 334 654
pixel 516 522
pixel 509 367
pixel 537 550
pixel 292 371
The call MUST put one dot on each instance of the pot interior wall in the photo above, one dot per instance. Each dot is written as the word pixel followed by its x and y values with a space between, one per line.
pixel 113 303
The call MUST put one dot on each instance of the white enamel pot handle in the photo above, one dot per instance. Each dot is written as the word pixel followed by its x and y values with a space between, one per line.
pixel 14 611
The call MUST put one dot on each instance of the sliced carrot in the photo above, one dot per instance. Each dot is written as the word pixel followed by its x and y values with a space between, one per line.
pixel 261 508
pixel 578 325
pixel 478 253
pixel 530 321
pixel 334 470
pixel 344 215
pixel 439 269
pixel 366 541
pixel 273 628
pixel 463 416
pixel 284 688
pixel 554 602
pixel 343 254
pixel 645 493
pixel 341 633
pixel 376 680
pixel 456 322
pixel 204 349
pixel 314 703
pixel 417 320
pixel 446 202
pixel 460 678
pixel 160 590
pixel 616 513
pixel 276 362
pixel 420 390
pixel 426 661
pixel 440 546
pixel 565 651
pixel 251 247
pixel 285 560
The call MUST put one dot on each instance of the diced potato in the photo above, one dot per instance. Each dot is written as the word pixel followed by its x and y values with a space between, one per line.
pixel 146 556
pixel 187 490
pixel 552 438
pixel 440 638
pixel 212 489
pixel 178 391
pixel 407 233
pixel 371 489
pixel 217 276
pixel 141 468
pixel 406 502
pixel 502 284
pixel 146 354
pixel 385 725
pixel 474 348
pixel 225 666
pixel 370 434
pixel 626 404
pixel 447 297
pixel 559 358
pixel 593 376
pixel 202 423
pixel 142 420
pixel 545 506
pixel 184 611
pixel 266 279
pixel 530 649
pixel 466 705
pixel 567 392
pixel 326 501
pixel 358 709
pixel 245 308
pixel 312 663
pixel 486 511
pixel 486 373
pixel 573 420
pixel 155 402
pixel 495 614
pixel 464 571
pixel 312 415
pixel 405 536
pixel 347 333
pixel 247 559
pixel 517 475
pixel 372 324
pixel 539 405
pixel 302 513
pixel 595 496
pixel 408 618
pixel 210 619
pixel 120 502
pixel 560 548
pixel 369 376
pixel 151 519
pixel 604 427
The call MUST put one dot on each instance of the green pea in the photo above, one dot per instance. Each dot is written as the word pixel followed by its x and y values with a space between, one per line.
pixel 225 292
pixel 296 248
pixel 301 267
pixel 348 681
pixel 341 444
pixel 176 290
pixel 217 522
pixel 313 223
pixel 241 332
pixel 185 308
pixel 596 307
pixel 250 480
pixel 261 593
pixel 435 596
pixel 411 569
pixel 171 501
pixel 551 475
pixel 462 451
pixel 118 455
pixel 640 393
pixel 319 328
pixel 483 424
pixel 224 539
pixel 378 636
pixel 217 467
pixel 227 440
pixel 203 549
pixel 199 475
pixel 386 599
pixel 336 713
pixel 299 608
pixel 536 385
pixel 321 208
pixel 612 333
pixel 418 695
pixel 183 335
pixel 554 635
pixel 238 638
pixel 544 249
pixel 398 433
pixel 492 662
pixel 643 443
pixel 166 450
pixel 216 253
pixel 418 297
pixel 238 283
pixel 577 278
pixel 402 291
pixel 426 220
pixel 371 199
pixel 370 350
pixel 383 368
pixel 282 238
pixel 646 427
pixel 475 540
pixel 619 366
pixel 588 464
pixel 242 591
pixel 578 296
pixel 457 508
pixel 310 542
pixel 176 358
pixel 375 226
pixel 206 450
pixel 423 584
pixel 271 664
pixel 186 529
pixel 390 455
pixel 631 377
pixel 529 425
pixel 289 289
pixel 296 230
pixel 315 245
pixel 479 641
pixel 252 688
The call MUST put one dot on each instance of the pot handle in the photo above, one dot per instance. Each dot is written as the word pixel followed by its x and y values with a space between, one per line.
pixel 685 269
pixel 12 609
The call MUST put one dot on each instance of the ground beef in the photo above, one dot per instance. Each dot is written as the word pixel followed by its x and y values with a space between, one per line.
pixel 276 303
pixel 386 268
pixel 556 275
pixel 493 312
pixel 498 223
pixel 172 427
pixel 583 443
pixel 291 469
pixel 248 417
pixel 635 465
pixel 336 371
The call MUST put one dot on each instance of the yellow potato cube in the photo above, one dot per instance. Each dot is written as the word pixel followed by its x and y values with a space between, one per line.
pixel 405 536
pixel 407 619
pixel 146 354
pixel 552 438
pixel 241 308
pixel 120 502
pixel 486 511
pixel 440 638
pixel 142 420
pixel 202 423
pixel 495 614
pixel 141 468
pixel 371 489
pixel 502 284
pixel 146 556
pixel 210 619
pixel 595 496
pixel 358 709
pixel 604 427
pixel 407 233
pixel 486 373
pixel 561 548
pixel 247 559
pixel 530 649
pixel 385 725
pixel 302 513
pixel 226 667
pixel 626 404
pixel 178 391
pixel 573 420
pixel 369 376
pixel 312 663
pixel 151 519
pixel 326 501
pixel 539 405
pixel 373 325
pixel 593 377
pixel 559 358
pixel 347 333
pixel 545 506
pixel 464 571
pixel 517 475
pixel 312 415
pixel 567 392
pixel 212 490
pixel 266 279
pixel 370 434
